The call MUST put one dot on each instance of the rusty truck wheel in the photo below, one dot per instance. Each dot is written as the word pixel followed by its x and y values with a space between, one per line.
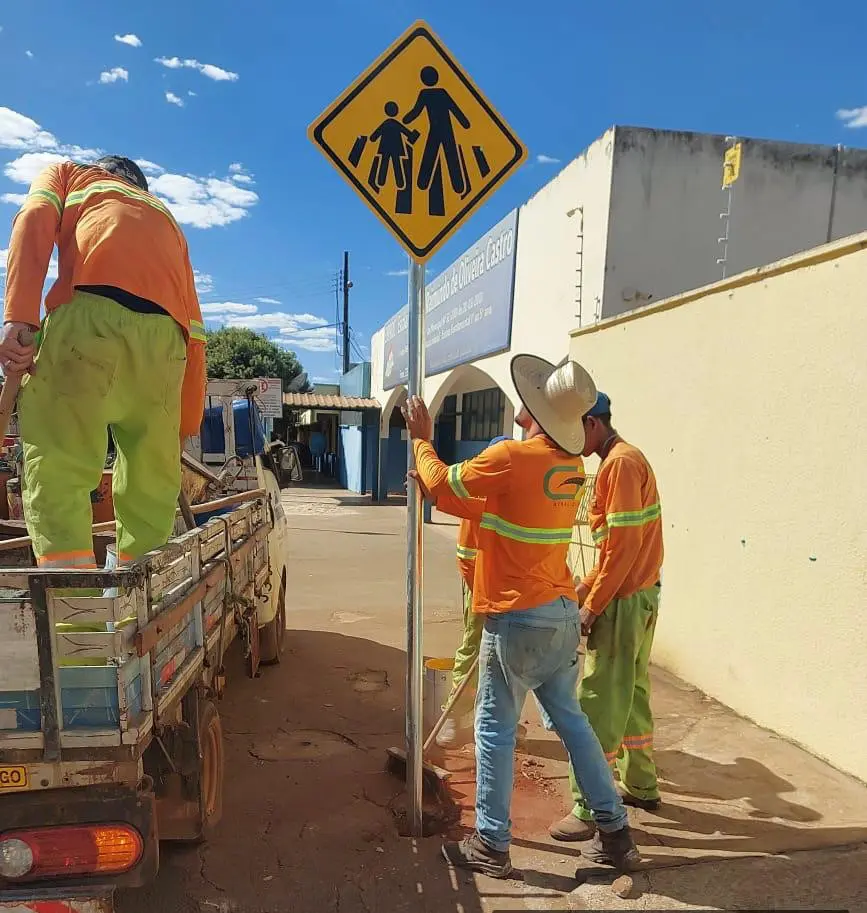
pixel 272 636
pixel 213 765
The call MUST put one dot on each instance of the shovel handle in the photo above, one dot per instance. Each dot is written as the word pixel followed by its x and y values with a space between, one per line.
pixel 11 386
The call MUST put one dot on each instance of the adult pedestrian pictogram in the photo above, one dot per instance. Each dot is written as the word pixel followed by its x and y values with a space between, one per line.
pixel 418 141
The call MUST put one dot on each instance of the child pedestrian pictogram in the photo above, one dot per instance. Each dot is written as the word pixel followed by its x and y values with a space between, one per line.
pixel 418 141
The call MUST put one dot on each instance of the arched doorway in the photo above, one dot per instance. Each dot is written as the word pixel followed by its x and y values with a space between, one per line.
pixel 393 446
pixel 469 408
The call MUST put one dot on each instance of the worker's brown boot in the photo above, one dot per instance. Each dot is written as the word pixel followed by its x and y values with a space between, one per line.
pixel 474 854
pixel 571 829
pixel 615 848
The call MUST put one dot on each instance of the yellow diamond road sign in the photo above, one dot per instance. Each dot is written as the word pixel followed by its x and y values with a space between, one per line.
pixel 418 141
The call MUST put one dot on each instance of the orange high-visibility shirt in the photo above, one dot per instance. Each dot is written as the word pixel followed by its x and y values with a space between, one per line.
pixel 470 513
pixel 108 232
pixel 626 524
pixel 531 490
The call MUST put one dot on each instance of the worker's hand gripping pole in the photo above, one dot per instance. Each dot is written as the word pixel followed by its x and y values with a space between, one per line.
pixel 414 576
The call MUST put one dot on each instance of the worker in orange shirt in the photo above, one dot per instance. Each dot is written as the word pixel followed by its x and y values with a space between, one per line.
pixel 457 729
pixel 620 601
pixel 122 348
pixel 523 586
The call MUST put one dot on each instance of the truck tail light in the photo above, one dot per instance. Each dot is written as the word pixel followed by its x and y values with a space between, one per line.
pixel 92 849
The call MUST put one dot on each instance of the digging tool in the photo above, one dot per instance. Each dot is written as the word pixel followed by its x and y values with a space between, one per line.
pixel 435 777
pixel 11 386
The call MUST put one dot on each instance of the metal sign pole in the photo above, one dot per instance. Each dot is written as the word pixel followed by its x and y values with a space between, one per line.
pixel 414 577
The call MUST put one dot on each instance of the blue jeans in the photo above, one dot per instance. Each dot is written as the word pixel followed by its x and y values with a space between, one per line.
pixel 534 649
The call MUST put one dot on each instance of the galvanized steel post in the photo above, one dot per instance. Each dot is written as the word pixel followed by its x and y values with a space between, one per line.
pixel 414 576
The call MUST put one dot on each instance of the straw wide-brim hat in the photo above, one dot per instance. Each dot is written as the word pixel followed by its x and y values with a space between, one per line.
pixel 557 396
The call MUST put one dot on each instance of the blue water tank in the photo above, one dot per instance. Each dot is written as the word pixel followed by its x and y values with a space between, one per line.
pixel 249 437
pixel 249 429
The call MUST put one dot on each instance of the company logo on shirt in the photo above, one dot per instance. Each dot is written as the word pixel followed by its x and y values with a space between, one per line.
pixel 564 483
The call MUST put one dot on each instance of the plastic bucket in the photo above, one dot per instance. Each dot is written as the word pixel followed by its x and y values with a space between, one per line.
pixel 437 686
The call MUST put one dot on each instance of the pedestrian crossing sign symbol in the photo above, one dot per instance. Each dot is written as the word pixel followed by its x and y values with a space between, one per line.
pixel 418 141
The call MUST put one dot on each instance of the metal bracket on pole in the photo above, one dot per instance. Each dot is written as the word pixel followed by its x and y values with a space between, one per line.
pixel 414 576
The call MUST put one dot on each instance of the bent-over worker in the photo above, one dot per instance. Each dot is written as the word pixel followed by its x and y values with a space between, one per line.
pixel 122 348
pixel 523 586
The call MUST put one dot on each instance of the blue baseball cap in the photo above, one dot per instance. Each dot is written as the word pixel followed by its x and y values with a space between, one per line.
pixel 497 440
pixel 602 406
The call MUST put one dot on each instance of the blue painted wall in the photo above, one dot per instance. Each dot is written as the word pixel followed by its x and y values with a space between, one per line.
pixel 350 472
pixel 466 450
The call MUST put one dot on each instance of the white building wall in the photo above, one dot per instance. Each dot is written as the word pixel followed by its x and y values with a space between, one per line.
pixel 547 294
pixel 666 202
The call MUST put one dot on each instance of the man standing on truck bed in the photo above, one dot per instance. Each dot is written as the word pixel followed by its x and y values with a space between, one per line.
pixel 122 347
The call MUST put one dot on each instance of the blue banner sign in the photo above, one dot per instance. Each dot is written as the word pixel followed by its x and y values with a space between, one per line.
pixel 468 309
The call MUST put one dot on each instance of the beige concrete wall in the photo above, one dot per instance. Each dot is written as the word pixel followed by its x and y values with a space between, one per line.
pixel 749 397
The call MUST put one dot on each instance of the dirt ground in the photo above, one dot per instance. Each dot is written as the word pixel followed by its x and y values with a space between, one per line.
pixel 311 816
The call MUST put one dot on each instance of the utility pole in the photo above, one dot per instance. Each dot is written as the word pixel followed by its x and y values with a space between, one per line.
pixel 347 285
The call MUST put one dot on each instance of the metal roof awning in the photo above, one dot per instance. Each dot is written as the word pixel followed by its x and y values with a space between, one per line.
pixel 329 401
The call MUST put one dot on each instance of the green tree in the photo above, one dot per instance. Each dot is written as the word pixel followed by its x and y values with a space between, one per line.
pixel 236 352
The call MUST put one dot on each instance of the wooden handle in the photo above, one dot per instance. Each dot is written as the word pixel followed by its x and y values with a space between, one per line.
pixel 11 386
pixel 208 506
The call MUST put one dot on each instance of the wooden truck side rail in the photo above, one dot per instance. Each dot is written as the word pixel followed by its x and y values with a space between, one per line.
pixel 165 630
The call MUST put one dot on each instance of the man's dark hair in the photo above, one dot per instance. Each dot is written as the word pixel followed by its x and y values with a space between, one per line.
pixel 123 168
pixel 605 418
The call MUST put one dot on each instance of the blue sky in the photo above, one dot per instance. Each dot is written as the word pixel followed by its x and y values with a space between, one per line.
pixel 224 116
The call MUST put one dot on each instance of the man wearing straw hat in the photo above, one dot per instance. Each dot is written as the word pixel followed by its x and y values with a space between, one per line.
pixel 523 586
pixel 457 730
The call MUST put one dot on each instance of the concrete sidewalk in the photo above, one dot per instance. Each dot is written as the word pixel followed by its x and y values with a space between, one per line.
pixel 311 817
pixel 731 789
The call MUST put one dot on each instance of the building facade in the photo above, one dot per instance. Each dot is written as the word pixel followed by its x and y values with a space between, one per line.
pixel 634 219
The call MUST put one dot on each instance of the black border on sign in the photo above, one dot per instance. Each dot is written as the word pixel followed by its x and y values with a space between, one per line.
pixel 421 253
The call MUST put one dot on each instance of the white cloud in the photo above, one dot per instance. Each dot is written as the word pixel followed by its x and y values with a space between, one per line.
pixel 191 94
pixel 150 167
pixel 226 308
pixel 268 301
pixel 20 132
pixel 113 75
pixel 285 324
pixel 132 40
pixel 327 379
pixel 543 159
pixel 218 74
pixel 236 167
pixel 173 99
pixel 204 282
pixel 397 272
pixel 318 340
pixel 203 202
pixel 853 117
pixel 17 199
pixel 25 168
pixel 29 54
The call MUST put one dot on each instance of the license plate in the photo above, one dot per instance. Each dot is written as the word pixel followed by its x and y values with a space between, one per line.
pixel 13 778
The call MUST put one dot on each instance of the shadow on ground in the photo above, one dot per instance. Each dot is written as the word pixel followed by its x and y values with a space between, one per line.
pixel 309 810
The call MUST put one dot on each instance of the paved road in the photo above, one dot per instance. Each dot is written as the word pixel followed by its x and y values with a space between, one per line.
pixel 309 818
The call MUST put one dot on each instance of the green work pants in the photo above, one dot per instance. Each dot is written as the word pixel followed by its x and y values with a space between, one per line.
pixel 615 693
pixel 102 366
pixel 467 652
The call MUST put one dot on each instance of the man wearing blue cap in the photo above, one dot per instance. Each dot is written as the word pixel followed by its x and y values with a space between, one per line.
pixel 619 601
